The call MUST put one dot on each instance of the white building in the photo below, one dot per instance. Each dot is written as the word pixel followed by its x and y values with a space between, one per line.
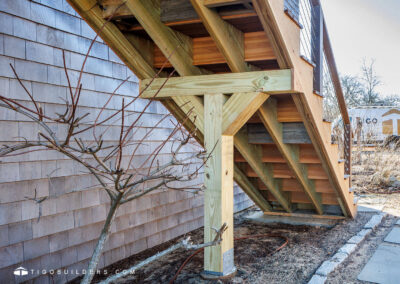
pixel 376 122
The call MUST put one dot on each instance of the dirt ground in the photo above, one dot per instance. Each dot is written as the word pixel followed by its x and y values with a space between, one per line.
pixel 307 248
pixel 256 259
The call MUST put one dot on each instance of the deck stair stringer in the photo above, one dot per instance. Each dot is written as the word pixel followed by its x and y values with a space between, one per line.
pixel 286 36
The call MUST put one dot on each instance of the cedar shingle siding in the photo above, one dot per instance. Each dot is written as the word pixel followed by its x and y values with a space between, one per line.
pixel 32 34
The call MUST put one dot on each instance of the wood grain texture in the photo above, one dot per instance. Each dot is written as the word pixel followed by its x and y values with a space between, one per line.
pixel 238 110
pixel 193 107
pixel 218 180
pixel 217 3
pixel 175 46
pixel 229 40
pixel 205 51
pixel 292 132
pixel 284 35
pixel 242 180
pixel 253 154
pixel 271 82
pixel 268 116
pixel 91 12
pixel 287 110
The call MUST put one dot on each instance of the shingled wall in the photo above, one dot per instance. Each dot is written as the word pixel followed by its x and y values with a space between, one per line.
pixel 32 34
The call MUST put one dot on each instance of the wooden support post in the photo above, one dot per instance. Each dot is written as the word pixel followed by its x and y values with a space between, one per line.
pixel 218 198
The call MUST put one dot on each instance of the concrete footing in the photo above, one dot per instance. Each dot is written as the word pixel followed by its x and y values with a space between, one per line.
pixel 291 220
pixel 208 275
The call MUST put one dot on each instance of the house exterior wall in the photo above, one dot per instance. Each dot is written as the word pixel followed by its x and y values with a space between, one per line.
pixel 32 36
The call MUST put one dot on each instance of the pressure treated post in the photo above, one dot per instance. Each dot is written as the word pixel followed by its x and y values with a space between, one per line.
pixel 218 197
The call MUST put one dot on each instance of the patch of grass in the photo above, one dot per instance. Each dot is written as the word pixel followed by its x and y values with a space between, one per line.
pixel 377 168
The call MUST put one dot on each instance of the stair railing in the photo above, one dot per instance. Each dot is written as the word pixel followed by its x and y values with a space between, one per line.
pixel 315 47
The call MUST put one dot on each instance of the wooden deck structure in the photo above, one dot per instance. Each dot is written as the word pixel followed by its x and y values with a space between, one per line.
pixel 256 103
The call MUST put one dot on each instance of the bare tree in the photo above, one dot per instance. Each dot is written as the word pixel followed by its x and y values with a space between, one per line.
pixel 117 166
pixel 353 90
pixel 370 81
pixel 392 100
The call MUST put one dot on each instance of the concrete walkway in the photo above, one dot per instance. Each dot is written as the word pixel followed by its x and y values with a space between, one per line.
pixel 384 265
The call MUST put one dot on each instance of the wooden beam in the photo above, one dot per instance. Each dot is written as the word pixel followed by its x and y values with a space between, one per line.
pixel 218 3
pixel 122 46
pixel 253 155
pixel 91 12
pixel 205 51
pixel 271 82
pixel 292 133
pixel 238 110
pixel 193 107
pixel 268 115
pixel 145 46
pixel 218 196
pixel 271 28
pixel 171 11
pixel 175 46
pixel 255 195
pixel 229 40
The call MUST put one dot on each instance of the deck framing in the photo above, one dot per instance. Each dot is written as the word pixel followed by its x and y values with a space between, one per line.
pixel 217 106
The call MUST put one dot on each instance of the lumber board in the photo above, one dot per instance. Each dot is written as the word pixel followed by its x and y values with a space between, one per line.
pixel 91 12
pixel 308 154
pixel 287 110
pixel 293 133
pixel 175 46
pixel 205 51
pixel 271 82
pixel 144 45
pixel 282 171
pixel 272 29
pixel 316 172
pixel 253 154
pixel 270 154
pixel 170 10
pixel 291 184
pixel 218 3
pixel 255 195
pixel 173 10
pixel 238 110
pixel 229 40
pixel 193 107
pixel 268 115
pixel 218 180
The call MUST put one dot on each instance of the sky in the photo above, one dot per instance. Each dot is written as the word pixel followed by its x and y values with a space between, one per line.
pixel 366 29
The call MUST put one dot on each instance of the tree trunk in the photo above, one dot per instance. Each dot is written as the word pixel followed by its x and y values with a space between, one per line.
pixel 94 261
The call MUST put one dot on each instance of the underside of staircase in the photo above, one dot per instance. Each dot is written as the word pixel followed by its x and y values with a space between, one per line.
pixel 241 80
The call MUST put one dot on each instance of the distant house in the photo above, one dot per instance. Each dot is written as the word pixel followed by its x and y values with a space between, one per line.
pixel 376 122
pixel 391 123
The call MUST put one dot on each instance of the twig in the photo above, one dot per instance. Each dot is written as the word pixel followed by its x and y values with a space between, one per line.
pixel 185 243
